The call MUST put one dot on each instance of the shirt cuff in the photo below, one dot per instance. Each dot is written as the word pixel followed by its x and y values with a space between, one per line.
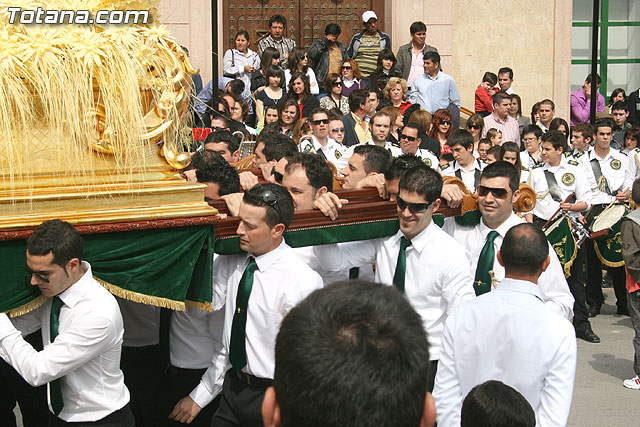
pixel 202 396
pixel 6 327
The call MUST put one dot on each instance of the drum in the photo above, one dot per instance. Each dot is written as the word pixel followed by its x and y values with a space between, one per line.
pixel 606 220
pixel 560 235
pixel 606 235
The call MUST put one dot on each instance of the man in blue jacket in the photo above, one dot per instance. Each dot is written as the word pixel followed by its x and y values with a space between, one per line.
pixel 367 44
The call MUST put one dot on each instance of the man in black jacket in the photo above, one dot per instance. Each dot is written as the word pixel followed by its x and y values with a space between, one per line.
pixel 356 129
pixel 633 102
pixel 327 54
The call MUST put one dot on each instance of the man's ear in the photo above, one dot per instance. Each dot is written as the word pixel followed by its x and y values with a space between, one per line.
pixel 499 257
pixel 428 413
pixel 235 155
pixel 278 230
pixel 546 263
pixel 322 190
pixel 271 409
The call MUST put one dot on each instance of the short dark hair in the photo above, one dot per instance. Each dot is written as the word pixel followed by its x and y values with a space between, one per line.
pixel 460 137
pixel 494 151
pixel 495 404
pixel 556 138
pixel 316 168
pixel 358 97
pixel 505 70
pixel 318 110
pixel 277 146
pixel 589 79
pixel 422 180
pixel 329 80
pixel 215 169
pixel 274 71
pixel 500 96
pixel 586 129
pixel 432 55
pixel 635 191
pixel 417 26
pixel 412 125
pixel 532 128
pixel 486 141
pixel 354 353
pixel 332 29
pixel 223 135
pixel 620 106
pixel 490 78
pixel 400 165
pixel 605 122
pixel 279 19
pixel 548 102
pixel 254 197
pixel 502 169
pixel 386 53
pixel 236 87
pixel 524 249
pixel 57 237
pixel 376 159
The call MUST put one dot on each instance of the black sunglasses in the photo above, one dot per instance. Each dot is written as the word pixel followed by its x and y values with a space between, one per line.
pixel 346 67
pixel 446 122
pixel 268 197
pixel 40 276
pixel 498 193
pixel 408 138
pixel 473 126
pixel 277 176
pixel 336 84
pixel 301 57
pixel 414 208
pixel 337 130
pixel 321 121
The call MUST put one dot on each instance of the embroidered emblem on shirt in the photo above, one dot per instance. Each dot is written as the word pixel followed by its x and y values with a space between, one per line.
pixel 615 164
pixel 338 154
pixel 444 167
pixel 308 148
pixel 573 162
pixel 568 179
pixel 427 161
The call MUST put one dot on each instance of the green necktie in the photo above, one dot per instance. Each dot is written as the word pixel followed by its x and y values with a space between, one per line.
pixel 401 265
pixel 237 347
pixel 54 386
pixel 482 281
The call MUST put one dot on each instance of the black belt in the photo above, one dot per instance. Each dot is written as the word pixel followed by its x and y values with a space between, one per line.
pixel 251 380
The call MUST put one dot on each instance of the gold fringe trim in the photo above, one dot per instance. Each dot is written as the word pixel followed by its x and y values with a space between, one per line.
pixel 28 307
pixel 568 264
pixel 604 261
pixel 142 298
pixel 205 306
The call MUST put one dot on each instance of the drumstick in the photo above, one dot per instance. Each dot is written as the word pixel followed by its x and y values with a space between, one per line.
pixel 572 195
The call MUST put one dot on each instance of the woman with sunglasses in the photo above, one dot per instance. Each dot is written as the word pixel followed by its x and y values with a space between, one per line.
pixel 289 114
pixel 270 57
pixel 299 91
pixel 334 98
pixel 299 63
pixel 273 94
pixel 515 111
pixel 441 128
pixel 475 124
pixel 351 77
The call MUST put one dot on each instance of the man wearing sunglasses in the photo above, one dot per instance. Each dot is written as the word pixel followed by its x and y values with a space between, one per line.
pixel 321 143
pixel 497 192
pixel 82 331
pixel 466 166
pixel 257 289
pixel 420 260
pixel 410 143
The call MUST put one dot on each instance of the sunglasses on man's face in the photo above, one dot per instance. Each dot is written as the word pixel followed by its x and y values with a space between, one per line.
pixel 498 193
pixel 321 121
pixel 408 138
pixel 414 208
pixel 40 276
pixel 277 176
pixel 337 130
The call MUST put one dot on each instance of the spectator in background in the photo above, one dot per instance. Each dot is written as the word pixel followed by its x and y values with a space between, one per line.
pixel 475 125
pixel 385 69
pixel 367 44
pixel 270 57
pixel 276 39
pixel 495 136
pixel 335 98
pixel 410 55
pixel 356 127
pixel 495 404
pixel 631 138
pixel 505 80
pixel 441 128
pixel 273 94
pixel 271 115
pixel 327 53
pixel 298 63
pixel 336 128
pixel 241 62
pixel 535 114
pixel 581 101
pixel 423 120
pixel 546 111
pixel 531 155
pixel 288 115
pixel 483 147
pixel 620 114
pixel 501 120
pixel 395 94
pixel 618 94
pixel 493 154
pixel 633 103
pixel 396 123
pixel 510 152
pixel 515 111
pixel 301 129
pixel 351 77
pixel 561 126
pixel 299 91
pixel 484 92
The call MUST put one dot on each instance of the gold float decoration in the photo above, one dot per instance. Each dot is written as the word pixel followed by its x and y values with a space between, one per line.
pixel 91 119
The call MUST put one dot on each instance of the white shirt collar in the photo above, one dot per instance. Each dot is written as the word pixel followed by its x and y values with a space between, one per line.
pixel 523 286
pixel 264 261
pixel 423 238
pixel 75 292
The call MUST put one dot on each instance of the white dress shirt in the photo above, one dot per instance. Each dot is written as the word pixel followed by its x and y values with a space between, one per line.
pixel 467 176
pixel 335 152
pixel 85 355
pixel 615 168
pixel 508 335
pixel 634 162
pixel 307 255
pixel 280 282
pixel 570 178
pixel 437 277
pixel 427 157
pixel 552 283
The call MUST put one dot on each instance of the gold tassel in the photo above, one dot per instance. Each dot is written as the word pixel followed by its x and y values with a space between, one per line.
pixel 28 307
pixel 204 306
pixel 142 298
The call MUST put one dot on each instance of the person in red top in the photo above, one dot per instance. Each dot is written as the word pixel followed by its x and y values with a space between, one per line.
pixel 484 92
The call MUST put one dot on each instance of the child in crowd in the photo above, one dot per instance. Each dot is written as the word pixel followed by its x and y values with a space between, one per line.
pixel 495 136
pixel 484 92
pixel 483 146
pixel 630 234
pixel 493 154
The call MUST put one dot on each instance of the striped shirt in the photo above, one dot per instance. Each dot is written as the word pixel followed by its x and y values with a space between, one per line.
pixel 367 57
pixel 284 46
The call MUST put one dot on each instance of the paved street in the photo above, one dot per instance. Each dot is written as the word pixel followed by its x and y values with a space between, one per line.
pixel 599 399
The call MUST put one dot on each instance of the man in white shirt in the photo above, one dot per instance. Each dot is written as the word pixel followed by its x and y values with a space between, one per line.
pixel 259 288
pixel 547 111
pixel 510 335
pixel 466 166
pixel 497 192
pixel 424 263
pixel 81 331
pixel 321 143
pixel 410 144
pixel 505 80
pixel 365 343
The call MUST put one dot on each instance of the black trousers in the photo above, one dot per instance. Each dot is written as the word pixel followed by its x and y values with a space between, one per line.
pixel 143 376
pixel 32 400
pixel 120 418
pixel 241 404
pixel 577 287
pixel 594 279
pixel 181 382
